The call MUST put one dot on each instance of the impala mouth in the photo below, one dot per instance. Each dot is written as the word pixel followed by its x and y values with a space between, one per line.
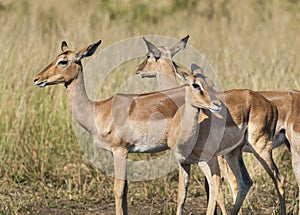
pixel 139 75
pixel 216 106
pixel 143 75
pixel 41 84
pixel 215 109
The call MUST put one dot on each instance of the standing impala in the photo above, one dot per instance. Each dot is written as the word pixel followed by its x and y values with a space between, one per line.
pixel 253 116
pixel 120 123
pixel 184 129
pixel 287 131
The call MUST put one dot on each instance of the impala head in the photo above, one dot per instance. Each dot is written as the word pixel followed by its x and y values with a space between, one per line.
pixel 65 67
pixel 157 57
pixel 200 90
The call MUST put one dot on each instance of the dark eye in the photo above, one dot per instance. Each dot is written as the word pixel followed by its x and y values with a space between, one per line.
pixel 62 62
pixel 196 86
pixel 148 56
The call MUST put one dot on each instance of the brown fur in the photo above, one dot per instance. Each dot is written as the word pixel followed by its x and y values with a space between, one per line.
pixel 246 111
pixel 118 124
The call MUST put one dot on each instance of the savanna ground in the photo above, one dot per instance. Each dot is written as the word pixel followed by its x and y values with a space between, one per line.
pixel 250 44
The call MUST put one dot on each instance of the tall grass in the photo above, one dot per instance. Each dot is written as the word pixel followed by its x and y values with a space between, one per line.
pixel 253 44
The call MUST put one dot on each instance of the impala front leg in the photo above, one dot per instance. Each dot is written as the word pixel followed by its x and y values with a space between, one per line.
pixel 120 183
pixel 217 180
pixel 184 175
pixel 211 206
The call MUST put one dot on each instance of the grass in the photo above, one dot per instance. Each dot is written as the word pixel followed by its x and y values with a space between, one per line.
pixel 253 44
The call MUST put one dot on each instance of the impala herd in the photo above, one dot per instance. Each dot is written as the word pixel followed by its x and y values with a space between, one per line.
pixel 199 124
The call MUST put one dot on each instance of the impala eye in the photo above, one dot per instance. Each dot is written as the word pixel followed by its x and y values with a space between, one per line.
pixel 196 86
pixel 62 62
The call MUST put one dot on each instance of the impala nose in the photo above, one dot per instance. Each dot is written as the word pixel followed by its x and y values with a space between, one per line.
pixel 217 103
pixel 36 79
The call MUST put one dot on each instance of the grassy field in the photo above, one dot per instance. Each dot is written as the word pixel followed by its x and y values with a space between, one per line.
pixel 253 44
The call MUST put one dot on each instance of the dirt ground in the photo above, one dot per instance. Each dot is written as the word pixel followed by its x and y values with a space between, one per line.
pixel 109 209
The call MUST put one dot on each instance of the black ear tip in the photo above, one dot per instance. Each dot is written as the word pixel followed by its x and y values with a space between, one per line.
pixel 64 43
pixel 194 67
pixel 145 40
pixel 185 39
pixel 99 42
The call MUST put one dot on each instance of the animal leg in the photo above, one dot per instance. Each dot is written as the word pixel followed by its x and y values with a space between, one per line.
pixel 233 184
pixel 212 194
pixel 237 165
pixel 120 182
pixel 296 168
pixel 217 180
pixel 294 138
pixel 263 153
pixel 184 175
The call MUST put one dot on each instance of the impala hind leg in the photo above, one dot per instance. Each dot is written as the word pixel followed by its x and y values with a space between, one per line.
pixel 263 153
pixel 184 175
pixel 228 174
pixel 296 168
pixel 237 165
pixel 120 182
pixel 295 151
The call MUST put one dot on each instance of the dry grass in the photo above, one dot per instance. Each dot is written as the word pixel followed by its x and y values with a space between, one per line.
pixel 253 44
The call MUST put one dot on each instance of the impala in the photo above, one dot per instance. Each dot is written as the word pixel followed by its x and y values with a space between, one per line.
pixel 184 129
pixel 118 124
pixel 249 116
pixel 287 131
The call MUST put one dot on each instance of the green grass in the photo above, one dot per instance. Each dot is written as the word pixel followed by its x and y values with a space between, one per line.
pixel 252 44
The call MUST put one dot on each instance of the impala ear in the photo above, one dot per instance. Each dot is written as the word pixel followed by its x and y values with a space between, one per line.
pixel 88 51
pixel 64 46
pixel 202 116
pixel 196 70
pixel 152 48
pixel 181 73
pixel 180 45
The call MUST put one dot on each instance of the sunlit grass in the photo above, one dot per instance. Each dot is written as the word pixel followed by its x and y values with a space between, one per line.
pixel 251 44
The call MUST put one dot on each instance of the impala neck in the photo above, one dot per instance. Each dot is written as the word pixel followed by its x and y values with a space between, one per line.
pixel 81 106
pixel 166 78
pixel 220 95
pixel 189 119
pixel 190 113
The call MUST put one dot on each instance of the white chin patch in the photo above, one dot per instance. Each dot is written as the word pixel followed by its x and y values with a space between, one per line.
pixel 42 84
pixel 215 109
pixel 140 75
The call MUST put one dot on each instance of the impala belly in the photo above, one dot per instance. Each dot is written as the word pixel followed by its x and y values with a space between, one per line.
pixel 150 136
pixel 147 148
pixel 136 135
pixel 233 136
pixel 216 140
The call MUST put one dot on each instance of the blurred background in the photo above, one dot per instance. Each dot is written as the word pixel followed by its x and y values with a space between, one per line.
pixel 250 44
